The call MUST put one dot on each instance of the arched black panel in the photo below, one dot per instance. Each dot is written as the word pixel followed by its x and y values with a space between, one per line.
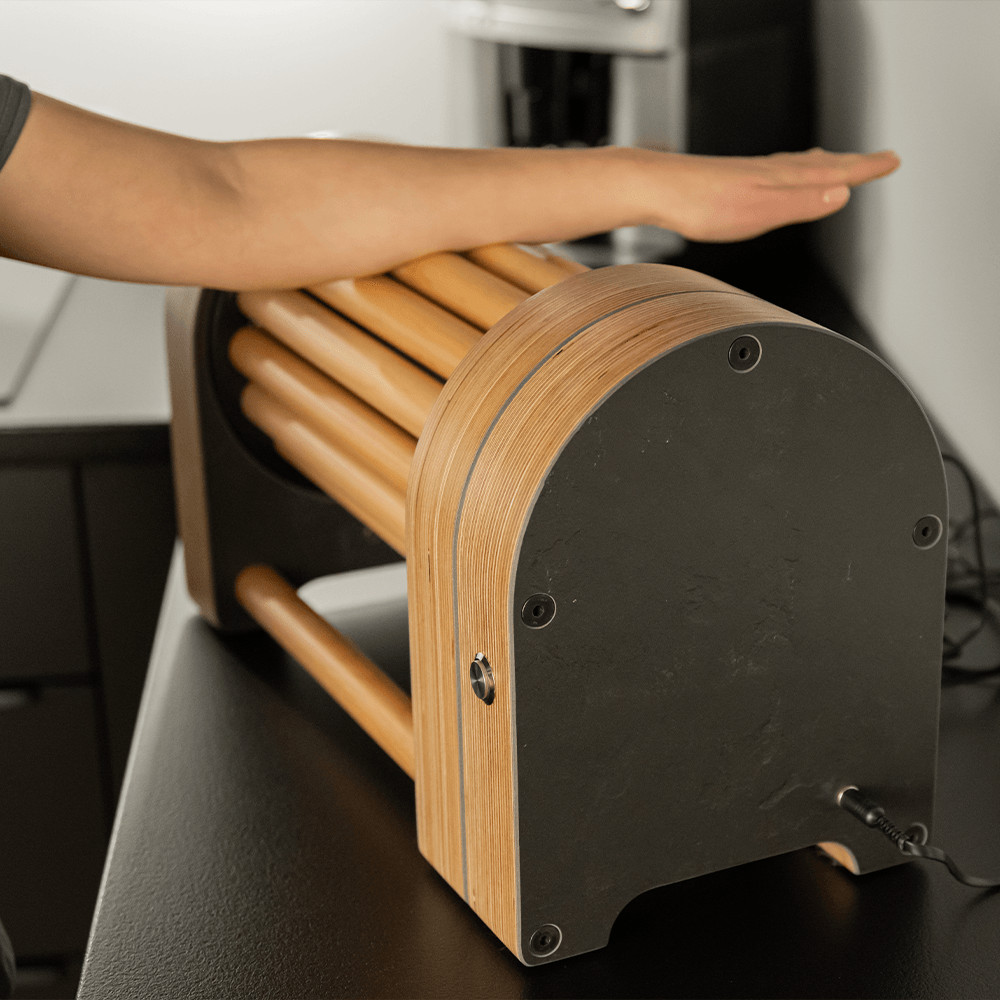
pixel 743 624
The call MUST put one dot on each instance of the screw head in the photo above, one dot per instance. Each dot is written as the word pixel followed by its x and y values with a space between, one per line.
pixel 545 941
pixel 538 610
pixel 481 675
pixel 927 531
pixel 744 354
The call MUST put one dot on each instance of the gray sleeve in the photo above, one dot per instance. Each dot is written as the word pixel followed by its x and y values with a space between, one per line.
pixel 15 103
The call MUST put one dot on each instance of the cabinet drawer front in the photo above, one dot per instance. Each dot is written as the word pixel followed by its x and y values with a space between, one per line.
pixel 42 617
pixel 54 833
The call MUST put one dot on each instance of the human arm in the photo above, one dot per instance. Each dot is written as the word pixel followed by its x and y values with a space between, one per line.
pixel 97 196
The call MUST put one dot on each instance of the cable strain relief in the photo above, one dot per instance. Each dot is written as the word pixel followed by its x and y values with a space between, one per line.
pixel 860 807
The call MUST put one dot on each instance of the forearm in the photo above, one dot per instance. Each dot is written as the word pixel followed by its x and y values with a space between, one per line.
pixel 332 208
pixel 100 197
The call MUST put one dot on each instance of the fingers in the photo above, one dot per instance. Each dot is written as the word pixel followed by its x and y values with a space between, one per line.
pixel 821 168
pixel 860 168
pixel 763 208
pixel 885 163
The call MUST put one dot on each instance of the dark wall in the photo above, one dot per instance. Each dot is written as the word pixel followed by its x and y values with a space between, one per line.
pixel 751 77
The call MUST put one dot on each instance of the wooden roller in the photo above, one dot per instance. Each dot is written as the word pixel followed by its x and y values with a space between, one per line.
pixel 369 369
pixel 374 701
pixel 528 270
pixel 469 291
pixel 345 421
pixel 349 481
pixel 415 325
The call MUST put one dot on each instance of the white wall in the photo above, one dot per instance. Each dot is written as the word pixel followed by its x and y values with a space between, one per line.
pixel 239 68
pixel 919 253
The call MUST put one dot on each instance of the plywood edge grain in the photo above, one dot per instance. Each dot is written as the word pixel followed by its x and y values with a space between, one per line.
pixel 187 455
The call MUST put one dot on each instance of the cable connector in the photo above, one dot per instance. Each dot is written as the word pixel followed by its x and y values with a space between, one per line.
pixel 862 808
pixel 871 814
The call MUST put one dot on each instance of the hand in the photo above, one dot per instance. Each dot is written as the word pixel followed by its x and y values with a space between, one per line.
pixel 718 199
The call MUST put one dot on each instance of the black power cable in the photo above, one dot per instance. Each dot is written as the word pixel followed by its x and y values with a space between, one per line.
pixel 970 589
pixel 870 813
pixel 971 593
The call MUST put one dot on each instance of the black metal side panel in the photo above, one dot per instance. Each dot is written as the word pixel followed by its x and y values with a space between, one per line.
pixel 259 508
pixel 743 625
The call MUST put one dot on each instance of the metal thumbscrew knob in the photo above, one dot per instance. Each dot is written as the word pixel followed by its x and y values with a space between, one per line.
pixel 927 531
pixel 538 610
pixel 481 675
pixel 545 941
pixel 744 353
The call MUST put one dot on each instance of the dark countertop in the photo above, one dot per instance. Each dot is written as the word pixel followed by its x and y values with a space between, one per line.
pixel 264 846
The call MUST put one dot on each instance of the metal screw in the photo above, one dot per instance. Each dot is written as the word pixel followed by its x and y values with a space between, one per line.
pixel 545 941
pixel 744 353
pixel 927 531
pixel 538 610
pixel 481 675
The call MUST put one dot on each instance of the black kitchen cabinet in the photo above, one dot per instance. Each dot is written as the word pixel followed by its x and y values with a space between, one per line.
pixel 86 535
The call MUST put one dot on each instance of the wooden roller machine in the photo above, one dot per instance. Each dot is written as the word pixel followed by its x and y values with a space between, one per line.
pixel 674 561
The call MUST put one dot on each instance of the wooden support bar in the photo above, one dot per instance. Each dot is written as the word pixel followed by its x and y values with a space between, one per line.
pixel 354 358
pixel 528 270
pixel 418 327
pixel 373 700
pixel 350 482
pixel 347 422
pixel 461 286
